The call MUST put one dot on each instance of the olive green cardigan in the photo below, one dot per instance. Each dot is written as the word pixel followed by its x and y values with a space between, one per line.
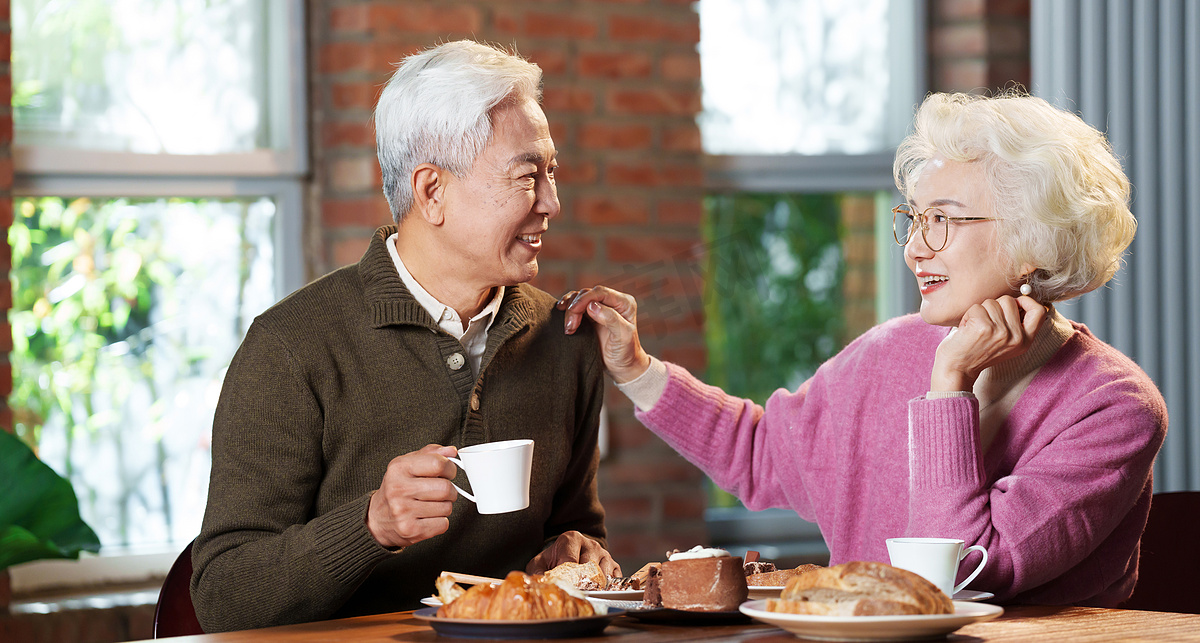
pixel 332 383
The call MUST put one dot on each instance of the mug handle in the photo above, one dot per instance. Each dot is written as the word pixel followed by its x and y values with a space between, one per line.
pixel 472 498
pixel 958 588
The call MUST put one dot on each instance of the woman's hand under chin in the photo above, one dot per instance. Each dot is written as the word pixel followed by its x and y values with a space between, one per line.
pixel 989 333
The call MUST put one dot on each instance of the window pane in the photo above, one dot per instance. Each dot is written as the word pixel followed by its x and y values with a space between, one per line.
pixel 789 281
pixel 126 313
pixel 148 76
pixel 774 300
pixel 794 76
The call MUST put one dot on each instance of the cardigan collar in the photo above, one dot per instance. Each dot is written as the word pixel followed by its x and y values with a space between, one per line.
pixel 390 303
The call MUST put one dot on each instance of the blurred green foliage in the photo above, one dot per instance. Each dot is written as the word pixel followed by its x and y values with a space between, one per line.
pixel 773 299
pixel 84 277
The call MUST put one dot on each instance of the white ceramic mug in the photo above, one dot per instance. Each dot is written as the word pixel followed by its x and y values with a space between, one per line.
pixel 498 473
pixel 936 559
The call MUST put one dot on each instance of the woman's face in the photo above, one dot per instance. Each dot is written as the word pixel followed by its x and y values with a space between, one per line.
pixel 970 268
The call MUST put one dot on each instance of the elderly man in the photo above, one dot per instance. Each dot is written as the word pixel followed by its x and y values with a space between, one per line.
pixel 331 489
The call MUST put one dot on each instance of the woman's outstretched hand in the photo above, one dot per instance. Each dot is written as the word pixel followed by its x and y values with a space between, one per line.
pixel 989 333
pixel 615 315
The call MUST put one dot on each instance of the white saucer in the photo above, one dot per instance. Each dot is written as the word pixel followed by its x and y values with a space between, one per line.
pixel 972 595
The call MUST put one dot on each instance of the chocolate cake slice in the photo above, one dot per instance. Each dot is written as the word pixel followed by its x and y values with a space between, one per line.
pixel 699 584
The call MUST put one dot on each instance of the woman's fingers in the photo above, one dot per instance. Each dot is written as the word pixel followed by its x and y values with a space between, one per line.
pixel 576 303
pixel 620 346
pixel 1035 313
pixel 1003 325
pixel 615 316
pixel 572 316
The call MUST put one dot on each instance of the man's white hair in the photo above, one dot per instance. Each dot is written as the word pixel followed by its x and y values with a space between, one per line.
pixel 436 108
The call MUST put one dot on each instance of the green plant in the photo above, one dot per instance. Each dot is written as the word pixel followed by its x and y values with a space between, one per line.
pixel 41 519
pixel 773 290
pixel 773 299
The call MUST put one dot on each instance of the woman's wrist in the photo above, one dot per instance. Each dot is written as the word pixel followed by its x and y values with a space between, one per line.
pixel 646 389
pixel 641 363
pixel 950 380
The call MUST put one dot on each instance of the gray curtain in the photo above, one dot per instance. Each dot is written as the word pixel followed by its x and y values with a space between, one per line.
pixel 1132 69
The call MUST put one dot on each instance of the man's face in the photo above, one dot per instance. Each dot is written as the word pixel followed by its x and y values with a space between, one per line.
pixel 497 212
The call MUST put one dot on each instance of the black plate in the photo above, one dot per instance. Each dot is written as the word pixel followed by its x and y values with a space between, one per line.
pixel 544 629
pixel 685 617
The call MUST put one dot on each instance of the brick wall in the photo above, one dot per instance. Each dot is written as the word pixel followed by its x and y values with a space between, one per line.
pixel 6 209
pixel 621 88
pixel 858 249
pixel 85 621
pixel 6 217
pixel 978 45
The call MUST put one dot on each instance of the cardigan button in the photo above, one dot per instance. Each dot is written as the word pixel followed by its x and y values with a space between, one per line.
pixel 474 401
pixel 455 361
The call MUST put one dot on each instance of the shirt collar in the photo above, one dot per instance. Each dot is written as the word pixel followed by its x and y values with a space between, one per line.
pixel 435 308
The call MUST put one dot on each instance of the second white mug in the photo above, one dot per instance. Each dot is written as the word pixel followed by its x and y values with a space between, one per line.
pixel 936 559
pixel 499 474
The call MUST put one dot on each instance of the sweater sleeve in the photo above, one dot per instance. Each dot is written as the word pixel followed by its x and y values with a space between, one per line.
pixel 1067 491
pixel 261 558
pixel 577 502
pixel 729 437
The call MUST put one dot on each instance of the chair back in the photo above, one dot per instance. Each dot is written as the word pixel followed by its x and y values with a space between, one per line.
pixel 174 615
pixel 1170 558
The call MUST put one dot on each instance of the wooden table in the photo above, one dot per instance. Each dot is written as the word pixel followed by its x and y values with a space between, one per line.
pixel 1018 624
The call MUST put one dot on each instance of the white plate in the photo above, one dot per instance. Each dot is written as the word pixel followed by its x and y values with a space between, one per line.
pixel 616 595
pixel 972 595
pixel 874 628
pixel 624 605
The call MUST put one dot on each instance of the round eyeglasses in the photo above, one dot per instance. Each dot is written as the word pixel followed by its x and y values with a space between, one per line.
pixel 933 222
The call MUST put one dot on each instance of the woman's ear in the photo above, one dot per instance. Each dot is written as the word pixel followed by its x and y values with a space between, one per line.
pixel 429 193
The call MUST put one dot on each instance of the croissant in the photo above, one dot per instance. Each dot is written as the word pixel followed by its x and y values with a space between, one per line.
pixel 518 598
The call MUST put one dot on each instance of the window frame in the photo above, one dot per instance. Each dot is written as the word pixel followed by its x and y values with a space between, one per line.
pixel 279 173
pixel 797 173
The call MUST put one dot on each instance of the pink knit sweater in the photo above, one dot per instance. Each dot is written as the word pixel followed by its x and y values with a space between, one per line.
pixel 1059 499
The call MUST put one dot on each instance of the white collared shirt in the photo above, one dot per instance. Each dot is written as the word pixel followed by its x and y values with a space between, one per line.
pixel 474 338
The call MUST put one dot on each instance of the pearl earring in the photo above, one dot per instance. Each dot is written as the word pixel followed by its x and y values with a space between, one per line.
pixel 1026 289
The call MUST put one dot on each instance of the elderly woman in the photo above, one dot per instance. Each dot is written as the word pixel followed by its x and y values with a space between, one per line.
pixel 987 417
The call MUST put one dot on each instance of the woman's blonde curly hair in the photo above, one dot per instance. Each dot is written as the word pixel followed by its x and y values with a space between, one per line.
pixel 1058 189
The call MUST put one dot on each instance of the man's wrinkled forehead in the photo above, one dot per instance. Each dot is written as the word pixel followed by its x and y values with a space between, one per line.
pixel 536 158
